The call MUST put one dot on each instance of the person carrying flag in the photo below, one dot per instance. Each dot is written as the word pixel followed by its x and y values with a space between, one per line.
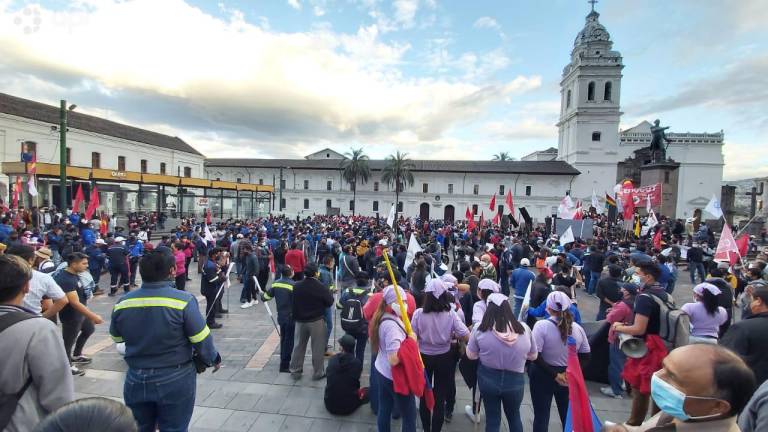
pixel 387 334
pixel 547 374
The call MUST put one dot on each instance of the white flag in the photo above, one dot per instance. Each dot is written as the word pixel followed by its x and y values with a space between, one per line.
pixel 32 187
pixel 596 203
pixel 648 206
pixel 208 236
pixel 526 303
pixel 413 247
pixel 713 207
pixel 652 220
pixel 391 217
pixel 567 237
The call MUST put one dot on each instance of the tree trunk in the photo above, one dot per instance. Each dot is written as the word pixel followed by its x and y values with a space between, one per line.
pixel 354 198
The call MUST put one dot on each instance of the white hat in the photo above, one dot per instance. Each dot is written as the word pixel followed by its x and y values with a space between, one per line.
pixel 524 262
pixel 239 236
pixel 119 239
pixel 100 241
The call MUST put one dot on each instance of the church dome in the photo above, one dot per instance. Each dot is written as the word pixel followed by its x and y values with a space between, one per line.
pixel 593 31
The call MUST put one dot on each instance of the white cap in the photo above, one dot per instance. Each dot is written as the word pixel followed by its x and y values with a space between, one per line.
pixel 119 239
pixel 239 236
pixel 100 241
pixel 524 262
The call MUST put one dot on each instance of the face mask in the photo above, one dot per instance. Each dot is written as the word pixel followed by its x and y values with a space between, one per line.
pixel 396 308
pixel 636 280
pixel 672 401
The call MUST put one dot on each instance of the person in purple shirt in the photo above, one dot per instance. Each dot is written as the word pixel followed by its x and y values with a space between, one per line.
pixel 435 325
pixel 387 333
pixel 705 314
pixel 547 374
pixel 485 288
pixel 503 345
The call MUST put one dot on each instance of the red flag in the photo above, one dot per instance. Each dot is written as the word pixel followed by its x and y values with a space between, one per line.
pixel 33 165
pixel 79 198
pixel 581 416
pixel 492 204
pixel 468 214
pixel 482 220
pixel 510 203
pixel 726 247
pixel 93 203
pixel 208 216
pixel 742 244
pixel 104 227
pixel 657 240
pixel 629 206
pixel 16 219
pixel 578 214
pixel 497 219
pixel 16 193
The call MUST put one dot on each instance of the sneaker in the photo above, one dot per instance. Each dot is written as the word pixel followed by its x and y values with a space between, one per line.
pixel 448 417
pixel 246 305
pixel 81 360
pixel 475 418
pixel 609 392
pixel 76 371
pixel 254 301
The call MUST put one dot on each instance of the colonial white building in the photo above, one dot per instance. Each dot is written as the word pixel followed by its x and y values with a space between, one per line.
pixel 441 189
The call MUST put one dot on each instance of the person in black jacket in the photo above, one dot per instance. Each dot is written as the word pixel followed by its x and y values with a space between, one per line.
pixel 118 267
pixel 749 337
pixel 250 265
pixel 608 290
pixel 282 292
pixel 343 394
pixel 310 299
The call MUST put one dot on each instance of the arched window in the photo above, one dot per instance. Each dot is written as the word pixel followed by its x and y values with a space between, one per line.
pixel 608 91
pixel 595 136
pixel 591 91
pixel 568 99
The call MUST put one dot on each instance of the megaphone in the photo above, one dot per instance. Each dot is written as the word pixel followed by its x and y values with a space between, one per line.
pixel 631 346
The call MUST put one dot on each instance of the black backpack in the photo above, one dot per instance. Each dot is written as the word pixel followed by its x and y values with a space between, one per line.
pixel 352 320
pixel 8 402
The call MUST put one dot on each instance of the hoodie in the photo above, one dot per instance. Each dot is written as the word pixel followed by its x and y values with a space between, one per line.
pixel 342 384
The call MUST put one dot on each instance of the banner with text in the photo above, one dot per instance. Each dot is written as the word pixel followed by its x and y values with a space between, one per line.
pixel 640 195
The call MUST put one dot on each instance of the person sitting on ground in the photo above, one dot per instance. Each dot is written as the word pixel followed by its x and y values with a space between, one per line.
pixel 700 387
pixel 343 394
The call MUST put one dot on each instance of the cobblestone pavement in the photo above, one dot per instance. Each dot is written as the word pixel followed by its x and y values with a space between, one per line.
pixel 248 393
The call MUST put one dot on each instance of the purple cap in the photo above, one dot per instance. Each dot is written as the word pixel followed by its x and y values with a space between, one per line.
pixel 558 301
pixel 487 284
pixel 436 287
pixel 390 296
pixel 449 280
pixel 699 289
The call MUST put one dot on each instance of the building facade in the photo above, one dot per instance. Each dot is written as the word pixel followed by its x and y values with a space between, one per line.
pixel 441 189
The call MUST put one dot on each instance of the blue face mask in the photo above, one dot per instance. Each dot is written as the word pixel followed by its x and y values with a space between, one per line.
pixel 672 401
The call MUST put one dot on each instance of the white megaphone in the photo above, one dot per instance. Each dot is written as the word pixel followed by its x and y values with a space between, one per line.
pixel 631 346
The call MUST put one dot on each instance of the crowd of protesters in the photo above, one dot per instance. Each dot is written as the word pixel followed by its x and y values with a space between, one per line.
pixel 496 303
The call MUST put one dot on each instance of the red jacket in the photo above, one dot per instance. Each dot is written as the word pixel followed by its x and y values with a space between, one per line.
pixel 295 259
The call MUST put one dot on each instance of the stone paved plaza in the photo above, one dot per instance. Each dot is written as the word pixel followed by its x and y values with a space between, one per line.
pixel 248 393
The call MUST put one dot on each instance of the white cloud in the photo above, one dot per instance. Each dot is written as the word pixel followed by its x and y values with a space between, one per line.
pixel 405 11
pixel 295 4
pixel 196 71
pixel 487 22
pixel 526 128
pixel 472 66
pixel 743 161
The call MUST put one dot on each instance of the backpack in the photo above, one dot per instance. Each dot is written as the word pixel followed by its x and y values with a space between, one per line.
pixel 674 324
pixel 9 402
pixel 352 320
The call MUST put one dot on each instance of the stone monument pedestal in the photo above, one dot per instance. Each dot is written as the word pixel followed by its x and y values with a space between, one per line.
pixel 667 174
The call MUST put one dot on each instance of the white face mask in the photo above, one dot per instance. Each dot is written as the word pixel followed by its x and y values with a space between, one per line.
pixel 396 308
pixel 636 280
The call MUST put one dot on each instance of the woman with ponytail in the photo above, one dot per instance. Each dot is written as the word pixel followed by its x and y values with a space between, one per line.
pixel 387 333
pixel 705 313
pixel 547 374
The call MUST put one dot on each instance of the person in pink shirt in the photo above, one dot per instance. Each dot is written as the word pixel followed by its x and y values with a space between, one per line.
pixel 620 312
pixel 181 271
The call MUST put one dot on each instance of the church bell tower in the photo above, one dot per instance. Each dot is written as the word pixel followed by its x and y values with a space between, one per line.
pixel 590 92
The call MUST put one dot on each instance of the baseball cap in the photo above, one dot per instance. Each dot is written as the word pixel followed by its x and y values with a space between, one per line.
pixel 524 262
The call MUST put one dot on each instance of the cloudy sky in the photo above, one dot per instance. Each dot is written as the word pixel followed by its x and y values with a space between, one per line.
pixel 439 79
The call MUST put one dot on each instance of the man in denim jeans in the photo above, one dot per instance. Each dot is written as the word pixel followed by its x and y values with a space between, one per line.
pixel 160 383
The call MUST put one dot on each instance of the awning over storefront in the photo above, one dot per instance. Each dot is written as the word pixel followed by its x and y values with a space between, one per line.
pixel 82 173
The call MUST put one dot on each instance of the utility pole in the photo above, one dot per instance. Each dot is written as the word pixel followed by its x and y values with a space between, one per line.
pixel 63 157
pixel 280 204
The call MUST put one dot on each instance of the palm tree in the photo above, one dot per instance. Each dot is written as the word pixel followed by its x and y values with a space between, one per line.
pixel 355 169
pixel 503 156
pixel 398 172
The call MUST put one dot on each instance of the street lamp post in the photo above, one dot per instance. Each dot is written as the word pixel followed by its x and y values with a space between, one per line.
pixel 63 156
pixel 280 198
